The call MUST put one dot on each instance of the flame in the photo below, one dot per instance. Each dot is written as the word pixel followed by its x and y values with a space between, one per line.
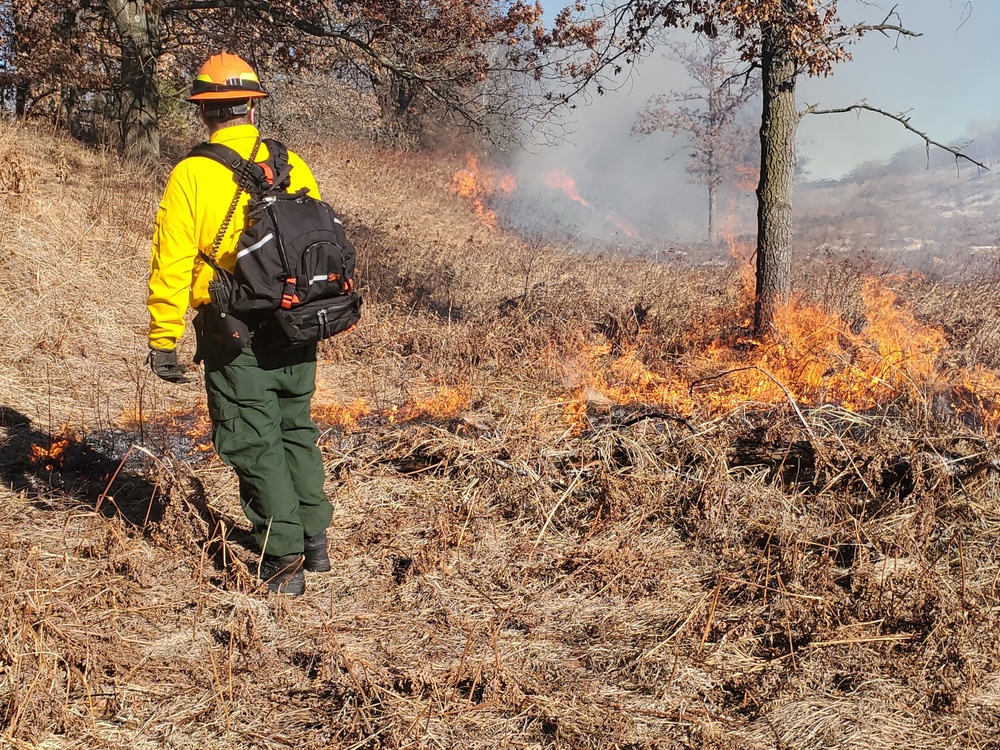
pixel 196 423
pixel 559 179
pixel 624 381
pixel 446 402
pixel 478 184
pixel 977 397
pixel 742 251
pixel 51 456
pixel 624 227
pixel 507 184
pixel 820 358
pixel 815 357
pixel 345 416
pixel 193 423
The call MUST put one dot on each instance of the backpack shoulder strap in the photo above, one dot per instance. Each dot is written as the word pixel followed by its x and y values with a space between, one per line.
pixel 246 172
pixel 278 158
pixel 236 163
pixel 278 152
pixel 222 154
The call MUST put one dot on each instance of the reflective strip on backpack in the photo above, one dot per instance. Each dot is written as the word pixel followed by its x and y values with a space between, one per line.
pixel 256 246
pixel 325 277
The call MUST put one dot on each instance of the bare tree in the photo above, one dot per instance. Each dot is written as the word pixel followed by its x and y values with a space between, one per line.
pixel 46 54
pixel 784 39
pixel 707 114
pixel 137 24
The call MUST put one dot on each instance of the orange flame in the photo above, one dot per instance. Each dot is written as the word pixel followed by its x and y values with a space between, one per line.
pixel 194 423
pixel 977 397
pixel 742 251
pixel 445 403
pixel 507 184
pixel 478 184
pixel 51 456
pixel 622 381
pixel 199 425
pixel 559 179
pixel 345 416
pixel 624 227
pixel 814 357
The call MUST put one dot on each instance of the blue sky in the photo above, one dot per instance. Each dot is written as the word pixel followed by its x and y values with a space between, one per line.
pixel 947 80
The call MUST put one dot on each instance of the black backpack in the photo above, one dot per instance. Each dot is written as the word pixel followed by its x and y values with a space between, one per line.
pixel 293 283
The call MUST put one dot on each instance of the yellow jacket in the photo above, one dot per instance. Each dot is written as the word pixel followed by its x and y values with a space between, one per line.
pixel 192 209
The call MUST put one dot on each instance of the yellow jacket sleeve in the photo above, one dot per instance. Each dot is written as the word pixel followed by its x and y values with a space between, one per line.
pixel 195 201
pixel 175 249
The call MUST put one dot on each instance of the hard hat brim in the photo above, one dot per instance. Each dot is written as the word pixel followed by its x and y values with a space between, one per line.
pixel 231 95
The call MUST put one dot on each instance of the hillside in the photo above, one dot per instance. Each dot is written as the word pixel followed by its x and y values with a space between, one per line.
pixel 918 211
pixel 576 506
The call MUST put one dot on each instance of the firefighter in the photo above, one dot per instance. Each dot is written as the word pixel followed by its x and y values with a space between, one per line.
pixel 259 401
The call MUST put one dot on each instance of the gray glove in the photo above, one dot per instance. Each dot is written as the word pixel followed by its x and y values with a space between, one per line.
pixel 164 365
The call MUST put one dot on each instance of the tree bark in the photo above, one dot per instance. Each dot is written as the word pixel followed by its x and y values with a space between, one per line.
pixel 779 122
pixel 138 26
pixel 712 202
pixel 22 88
pixel 395 96
pixel 21 99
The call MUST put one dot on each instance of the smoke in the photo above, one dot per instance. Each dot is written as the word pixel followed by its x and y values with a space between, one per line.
pixel 935 79
pixel 634 187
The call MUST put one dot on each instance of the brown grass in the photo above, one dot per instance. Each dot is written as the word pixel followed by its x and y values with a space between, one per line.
pixel 761 577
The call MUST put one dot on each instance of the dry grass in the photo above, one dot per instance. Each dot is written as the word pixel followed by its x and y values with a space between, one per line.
pixel 761 576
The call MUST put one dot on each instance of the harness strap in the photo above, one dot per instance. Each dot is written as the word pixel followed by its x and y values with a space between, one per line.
pixel 272 174
pixel 278 156
pixel 242 176
pixel 249 175
pixel 222 154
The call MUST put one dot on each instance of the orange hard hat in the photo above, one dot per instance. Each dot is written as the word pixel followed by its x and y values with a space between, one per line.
pixel 226 77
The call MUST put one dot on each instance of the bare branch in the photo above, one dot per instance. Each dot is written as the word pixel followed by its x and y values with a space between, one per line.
pixel 903 120
pixel 887 26
pixel 473 78
pixel 966 13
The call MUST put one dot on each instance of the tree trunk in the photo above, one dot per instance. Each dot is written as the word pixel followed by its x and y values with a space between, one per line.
pixel 138 26
pixel 21 92
pixel 22 88
pixel 779 122
pixel 396 96
pixel 712 201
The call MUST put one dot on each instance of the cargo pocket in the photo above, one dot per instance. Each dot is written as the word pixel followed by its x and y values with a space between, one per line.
pixel 227 436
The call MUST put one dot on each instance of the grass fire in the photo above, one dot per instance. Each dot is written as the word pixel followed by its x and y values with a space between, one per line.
pixel 578 504
pixel 816 358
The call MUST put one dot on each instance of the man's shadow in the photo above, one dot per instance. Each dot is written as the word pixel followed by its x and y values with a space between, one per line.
pixel 60 471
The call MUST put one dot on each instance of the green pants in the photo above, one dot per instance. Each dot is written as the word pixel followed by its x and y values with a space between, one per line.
pixel 262 427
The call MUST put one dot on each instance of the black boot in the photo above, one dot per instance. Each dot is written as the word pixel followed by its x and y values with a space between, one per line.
pixel 317 560
pixel 283 575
